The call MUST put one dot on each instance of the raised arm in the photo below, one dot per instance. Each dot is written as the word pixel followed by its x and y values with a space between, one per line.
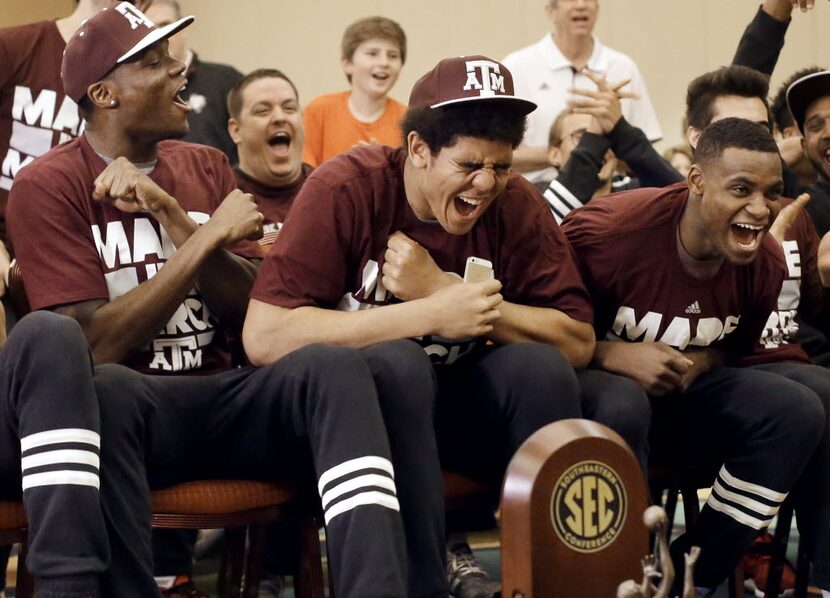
pixel 763 39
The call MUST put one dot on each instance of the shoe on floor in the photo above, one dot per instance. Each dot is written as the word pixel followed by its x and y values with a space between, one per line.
pixel 271 586
pixel 183 587
pixel 756 566
pixel 467 578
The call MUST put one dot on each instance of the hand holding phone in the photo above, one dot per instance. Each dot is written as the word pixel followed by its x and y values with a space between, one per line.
pixel 478 270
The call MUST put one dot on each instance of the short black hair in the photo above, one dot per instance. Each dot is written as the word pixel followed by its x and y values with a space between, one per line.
pixel 441 127
pixel 736 133
pixel 235 94
pixel 732 80
pixel 779 110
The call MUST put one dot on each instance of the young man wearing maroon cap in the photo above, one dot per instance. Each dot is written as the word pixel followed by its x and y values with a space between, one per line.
pixel 108 233
pixel 677 317
pixel 375 249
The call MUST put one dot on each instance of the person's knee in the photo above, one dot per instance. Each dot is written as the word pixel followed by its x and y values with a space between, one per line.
pixel 543 378
pixel 626 409
pixel 51 332
pixel 403 374
pixel 118 398
pixel 803 415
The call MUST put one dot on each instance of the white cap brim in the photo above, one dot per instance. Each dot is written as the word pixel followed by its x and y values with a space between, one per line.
pixel 155 36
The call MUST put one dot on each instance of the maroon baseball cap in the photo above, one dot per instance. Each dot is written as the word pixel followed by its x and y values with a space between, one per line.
pixel 467 79
pixel 804 92
pixel 102 42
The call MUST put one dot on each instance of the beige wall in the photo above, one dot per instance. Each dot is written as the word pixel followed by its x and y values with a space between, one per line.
pixel 671 40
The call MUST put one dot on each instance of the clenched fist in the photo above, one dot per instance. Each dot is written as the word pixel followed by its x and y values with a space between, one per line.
pixel 236 218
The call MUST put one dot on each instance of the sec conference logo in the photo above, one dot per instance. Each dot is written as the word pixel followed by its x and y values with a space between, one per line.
pixel 588 506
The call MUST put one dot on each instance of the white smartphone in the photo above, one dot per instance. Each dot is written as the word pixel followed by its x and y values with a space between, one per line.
pixel 478 270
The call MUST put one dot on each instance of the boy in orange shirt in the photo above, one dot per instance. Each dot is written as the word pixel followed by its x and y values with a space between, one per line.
pixel 373 52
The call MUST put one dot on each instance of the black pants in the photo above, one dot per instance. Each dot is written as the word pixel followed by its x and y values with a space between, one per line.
pixel 812 491
pixel 491 401
pixel 317 406
pixel 755 428
pixel 49 417
pixel 621 404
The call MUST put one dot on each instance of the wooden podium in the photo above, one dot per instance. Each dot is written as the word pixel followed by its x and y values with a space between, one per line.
pixel 572 514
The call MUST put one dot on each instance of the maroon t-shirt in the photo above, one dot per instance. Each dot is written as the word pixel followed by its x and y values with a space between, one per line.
pixel 273 202
pixel 35 114
pixel 72 248
pixel 330 251
pixel 801 295
pixel 626 247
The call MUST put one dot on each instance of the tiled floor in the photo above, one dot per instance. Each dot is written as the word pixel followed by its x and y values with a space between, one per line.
pixel 485 545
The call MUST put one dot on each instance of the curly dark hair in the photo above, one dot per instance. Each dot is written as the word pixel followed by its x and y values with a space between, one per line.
pixel 441 127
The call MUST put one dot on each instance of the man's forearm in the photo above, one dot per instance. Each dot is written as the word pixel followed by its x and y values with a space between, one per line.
pixel 224 280
pixel 632 146
pixel 763 39
pixel 521 323
pixel 117 328
pixel 271 332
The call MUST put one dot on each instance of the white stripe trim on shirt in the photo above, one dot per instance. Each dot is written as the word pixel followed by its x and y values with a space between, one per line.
pixel 353 465
pixel 60 456
pixel 61 478
pixel 364 498
pixel 58 436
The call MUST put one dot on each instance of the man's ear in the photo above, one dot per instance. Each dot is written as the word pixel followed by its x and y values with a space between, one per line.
pixel 696 180
pixel 555 157
pixel 419 153
pixel 233 130
pixel 101 95
pixel 693 136
pixel 791 131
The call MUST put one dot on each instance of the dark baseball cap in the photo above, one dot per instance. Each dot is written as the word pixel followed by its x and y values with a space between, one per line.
pixel 804 92
pixel 102 42
pixel 467 79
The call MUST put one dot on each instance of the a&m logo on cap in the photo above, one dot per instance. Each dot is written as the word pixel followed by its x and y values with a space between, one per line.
pixel 588 506
pixel 485 76
pixel 134 16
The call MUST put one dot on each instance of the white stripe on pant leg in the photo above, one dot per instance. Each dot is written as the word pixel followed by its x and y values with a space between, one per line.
pixel 762 509
pixel 355 483
pixel 347 467
pixel 737 514
pixel 60 456
pixel 750 487
pixel 57 436
pixel 364 498
pixel 61 478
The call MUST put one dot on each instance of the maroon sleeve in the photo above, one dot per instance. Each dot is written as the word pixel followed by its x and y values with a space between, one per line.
pixel 308 264
pixel 537 264
pixel 53 241
pixel 6 60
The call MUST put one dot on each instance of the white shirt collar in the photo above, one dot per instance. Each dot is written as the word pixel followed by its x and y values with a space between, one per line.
pixel 598 62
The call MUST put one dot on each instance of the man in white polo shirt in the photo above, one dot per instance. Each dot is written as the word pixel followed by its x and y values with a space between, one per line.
pixel 543 73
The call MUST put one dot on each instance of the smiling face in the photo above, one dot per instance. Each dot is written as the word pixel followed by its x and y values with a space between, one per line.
pixel 738 194
pixel 374 67
pixel 816 141
pixel 146 93
pixel 573 18
pixel 269 132
pixel 456 185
